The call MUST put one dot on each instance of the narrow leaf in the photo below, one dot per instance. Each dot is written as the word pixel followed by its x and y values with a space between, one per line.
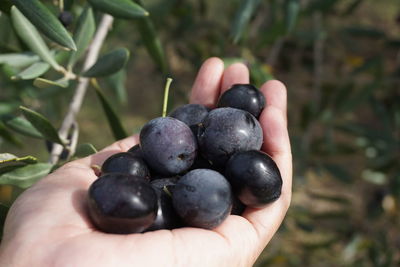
pixel 10 161
pixel 338 172
pixel 109 63
pixel 32 72
pixel 83 34
pixel 9 136
pixel 113 120
pixel 352 7
pixel 124 9
pixel 26 176
pixel 29 34
pixel 242 18
pixel 292 9
pixel 19 60
pixel 5 6
pixel 8 107
pixel 321 5
pixel 364 31
pixel 117 83
pixel 85 150
pixel 22 126
pixel 46 22
pixel 44 83
pixel 152 42
pixel 42 124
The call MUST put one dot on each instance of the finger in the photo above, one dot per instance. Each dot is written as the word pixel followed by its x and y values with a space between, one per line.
pixel 234 74
pixel 206 87
pixel 119 146
pixel 266 221
pixel 276 95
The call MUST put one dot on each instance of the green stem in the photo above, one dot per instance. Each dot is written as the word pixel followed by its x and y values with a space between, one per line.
pixel 95 84
pixel 166 93
pixel 166 190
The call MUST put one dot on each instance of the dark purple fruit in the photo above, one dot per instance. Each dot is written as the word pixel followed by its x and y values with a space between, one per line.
pixel 226 131
pixel 168 145
pixel 255 178
pixel 191 114
pixel 122 204
pixel 202 198
pixel 243 96
pixel 65 18
pixel 136 151
pixel 166 215
pixel 127 163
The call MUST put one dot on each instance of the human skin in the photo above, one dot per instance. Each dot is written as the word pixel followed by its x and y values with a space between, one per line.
pixel 48 224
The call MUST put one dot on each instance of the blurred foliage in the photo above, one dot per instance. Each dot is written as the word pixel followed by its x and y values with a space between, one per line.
pixel 340 60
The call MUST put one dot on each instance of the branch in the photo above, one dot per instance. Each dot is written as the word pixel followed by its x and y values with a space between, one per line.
pixel 83 83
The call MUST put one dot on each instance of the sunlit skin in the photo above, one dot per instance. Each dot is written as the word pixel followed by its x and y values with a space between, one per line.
pixel 48 224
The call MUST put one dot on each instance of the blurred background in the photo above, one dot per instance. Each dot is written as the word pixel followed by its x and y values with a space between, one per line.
pixel 340 60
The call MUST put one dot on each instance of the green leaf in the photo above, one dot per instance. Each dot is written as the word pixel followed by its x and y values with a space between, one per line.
pixel 42 124
pixel 124 9
pixel 44 83
pixel 364 31
pixel 83 35
pixel 19 60
pixel 352 7
pixel 325 6
pixel 22 126
pixel 29 34
pixel 117 83
pixel 8 107
pixel 152 42
pixel 109 63
pixel 26 176
pixel 292 9
pixel 32 72
pixel 242 18
pixel 9 161
pixel 338 172
pixel 85 150
pixel 113 120
pixel 8 136
pixel 46 22
pixel 5 6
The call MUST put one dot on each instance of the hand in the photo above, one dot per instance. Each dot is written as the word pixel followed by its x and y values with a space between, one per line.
pixel 48 224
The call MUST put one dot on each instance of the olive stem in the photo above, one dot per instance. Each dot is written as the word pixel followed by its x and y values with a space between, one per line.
pixel 166 93
pixel 166 191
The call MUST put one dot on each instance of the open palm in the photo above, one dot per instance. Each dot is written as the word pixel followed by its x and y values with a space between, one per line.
pixel 48 224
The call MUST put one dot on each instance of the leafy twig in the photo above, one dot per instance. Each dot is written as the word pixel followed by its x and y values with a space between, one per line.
pixel 80 91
